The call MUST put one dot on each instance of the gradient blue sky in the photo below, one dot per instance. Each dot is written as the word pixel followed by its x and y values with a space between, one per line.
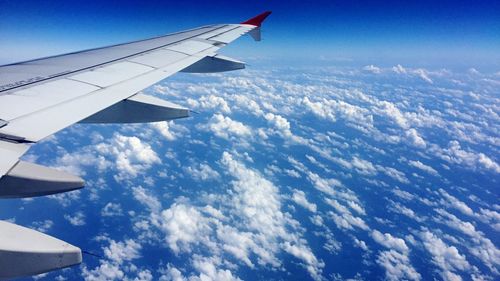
pixel 409 32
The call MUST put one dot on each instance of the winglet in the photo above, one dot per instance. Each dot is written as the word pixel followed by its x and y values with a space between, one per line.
pixel 257 20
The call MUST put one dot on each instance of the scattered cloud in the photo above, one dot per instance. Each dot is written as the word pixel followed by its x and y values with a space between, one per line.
pixel 202 172
pixel 43 226
pixel 395 260
pixel 164 128
pixel 226 128
pixel 419 165
pixel 78 219
pixel 210 102
pixel 112 210
pixel 397 136
pixel 371 68
pixel 299 197
pixel 447 258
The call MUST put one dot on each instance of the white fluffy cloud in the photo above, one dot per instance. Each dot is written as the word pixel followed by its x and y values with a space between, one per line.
pixel 120 252
pixel 78 219
pixel 164 129
pixel 392 111
pixel 280 123
pixel 202 172
pixel 372 68
pixel 131 155
pixel 210 102
pixel 226 128
pixel 478 245
pixel 419 165
pixel 363 166
pixel 415 139
pixel 248 104
pixel 447 258
pixel 395 260
pixel 117 265
pixel 299 197
pixel 331 109
pixel 259 236
pixel 418 72
pixel 344 218
pixel 184 227
pixel 105 271
pixel 77 162
pixel 43 226
pixel 397 266
pixel 208 270
pixel 453 202
pixel 488 163
pixel 456 154
pixel 424 74
pixel 143 196
pixel 399 69
pixel 112 210
pixel 389 241
pixel 258 205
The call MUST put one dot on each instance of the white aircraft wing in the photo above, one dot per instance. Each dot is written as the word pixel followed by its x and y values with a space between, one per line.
pixel 40 97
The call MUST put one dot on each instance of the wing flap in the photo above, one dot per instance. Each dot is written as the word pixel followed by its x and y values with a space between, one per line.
pixel 111 74
pixel 190 47
pixel 159 58
pixel 38 97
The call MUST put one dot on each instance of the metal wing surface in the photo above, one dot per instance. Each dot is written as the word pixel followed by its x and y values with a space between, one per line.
pixel 41 97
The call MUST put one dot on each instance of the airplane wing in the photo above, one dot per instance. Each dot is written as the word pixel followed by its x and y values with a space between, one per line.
pixel 41 97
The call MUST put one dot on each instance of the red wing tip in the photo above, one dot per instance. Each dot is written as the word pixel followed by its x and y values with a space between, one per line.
pixel 257 20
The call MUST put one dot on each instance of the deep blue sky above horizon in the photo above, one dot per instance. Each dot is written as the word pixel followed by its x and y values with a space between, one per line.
pixel 409 32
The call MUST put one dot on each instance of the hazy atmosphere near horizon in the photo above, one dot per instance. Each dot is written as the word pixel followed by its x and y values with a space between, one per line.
pixel 361 142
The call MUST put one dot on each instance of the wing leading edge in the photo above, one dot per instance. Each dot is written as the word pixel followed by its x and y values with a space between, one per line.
pixel 93 86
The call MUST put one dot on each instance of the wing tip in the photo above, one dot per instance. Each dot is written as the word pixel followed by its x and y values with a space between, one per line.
pixel 257 20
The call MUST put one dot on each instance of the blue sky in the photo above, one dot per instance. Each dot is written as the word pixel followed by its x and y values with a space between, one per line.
pixel 411 32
